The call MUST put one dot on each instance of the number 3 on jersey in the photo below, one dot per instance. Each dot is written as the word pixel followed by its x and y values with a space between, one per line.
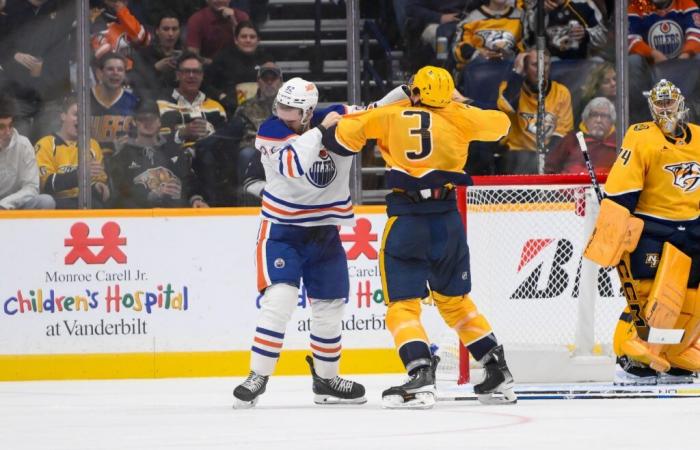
pixel 423 131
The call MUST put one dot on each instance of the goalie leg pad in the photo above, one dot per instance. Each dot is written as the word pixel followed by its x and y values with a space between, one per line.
pixel 686 355
pixel 326 317
pixel 668 291
pixel 461 314
pixel 688 359
pixel 616 232
pixel 410 338
pixel 276 308
pixel 626 341
pixel 666 299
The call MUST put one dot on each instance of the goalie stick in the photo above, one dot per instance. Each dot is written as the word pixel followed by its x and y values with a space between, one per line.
pixel 605 391
pixel 623 271
pixel 589 165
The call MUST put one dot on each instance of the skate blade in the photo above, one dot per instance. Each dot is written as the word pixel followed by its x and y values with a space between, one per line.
pixel 675 379
pixel 623 378
pixel 421 400
pixel 330 400
pixel 242 404
pixel 505 397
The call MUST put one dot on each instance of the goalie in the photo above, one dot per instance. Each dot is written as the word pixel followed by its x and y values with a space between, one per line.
pixel 649 227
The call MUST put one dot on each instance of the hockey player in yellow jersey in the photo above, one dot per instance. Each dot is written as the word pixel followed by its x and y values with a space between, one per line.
pixel 424 142
pixel 649 226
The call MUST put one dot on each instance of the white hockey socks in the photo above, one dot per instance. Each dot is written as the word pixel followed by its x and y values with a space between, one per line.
pixel 326 317
pixel 276 308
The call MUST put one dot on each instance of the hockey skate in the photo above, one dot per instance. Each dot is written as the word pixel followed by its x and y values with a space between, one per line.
pixel 634 373
pixel 248 392
pixel 497 386
pixel 418 392
pixel 336 390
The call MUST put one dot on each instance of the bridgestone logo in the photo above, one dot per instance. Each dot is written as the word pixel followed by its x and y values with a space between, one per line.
pixel 558 281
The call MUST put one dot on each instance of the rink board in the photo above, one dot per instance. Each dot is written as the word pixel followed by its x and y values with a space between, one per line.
pixel 169 293
pixel 165 293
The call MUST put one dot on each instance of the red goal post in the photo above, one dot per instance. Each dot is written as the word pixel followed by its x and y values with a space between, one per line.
pixel 553 310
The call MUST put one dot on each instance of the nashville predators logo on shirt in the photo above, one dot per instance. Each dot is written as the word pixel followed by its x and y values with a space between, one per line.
pixel 498 40
pixel 550 123
pixel 686 175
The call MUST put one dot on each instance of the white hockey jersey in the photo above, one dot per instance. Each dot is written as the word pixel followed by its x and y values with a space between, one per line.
pixel 305 184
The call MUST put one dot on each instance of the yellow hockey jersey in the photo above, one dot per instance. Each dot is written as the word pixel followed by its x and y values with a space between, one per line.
pixel 558 117
pixel 666 173
pixel 54 156
pixel 422 146
pixel 483 29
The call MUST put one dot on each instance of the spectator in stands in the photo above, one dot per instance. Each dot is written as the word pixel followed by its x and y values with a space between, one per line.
pixel 154 72
pixel 256 9
pixel 34 54
pixel 598 127
pixel 211 28
pixel 233 74
pixel 192 119
pixel 571 26
pixel 116 30
pixel 492 31
pixel 111 106
pixel 664 29
pixel 187 113
pixel 152 172
pixel 19 175
pixel 601 82
pixel 518 98
pixel 662 34
pixel 57 157
pixel 426 20
pixel 251 114
pixel 154 10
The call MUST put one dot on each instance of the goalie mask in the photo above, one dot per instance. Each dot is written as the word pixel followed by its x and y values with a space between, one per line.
pixel 299 94
pixel 667 106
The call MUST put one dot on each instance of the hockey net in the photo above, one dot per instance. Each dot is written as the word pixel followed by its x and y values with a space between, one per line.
pixel 553 310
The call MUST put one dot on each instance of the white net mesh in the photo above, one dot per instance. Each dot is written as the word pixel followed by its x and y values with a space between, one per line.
pixel 528 277
pixel 526 246
pixel 447 348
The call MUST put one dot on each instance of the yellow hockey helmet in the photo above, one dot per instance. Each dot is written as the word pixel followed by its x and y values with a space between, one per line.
pixel 667 105
pixel 435 86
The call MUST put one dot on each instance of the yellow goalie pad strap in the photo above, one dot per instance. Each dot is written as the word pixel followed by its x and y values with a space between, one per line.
pixel 403 321
pixel 616 231
pixel 624 331
pixel 668 291
pixel 461 314
pixel 642 351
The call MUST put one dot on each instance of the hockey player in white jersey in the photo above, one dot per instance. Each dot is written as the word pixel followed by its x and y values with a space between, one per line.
pixel 305 199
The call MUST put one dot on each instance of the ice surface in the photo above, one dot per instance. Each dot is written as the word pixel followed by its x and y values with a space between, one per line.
pixel 197 414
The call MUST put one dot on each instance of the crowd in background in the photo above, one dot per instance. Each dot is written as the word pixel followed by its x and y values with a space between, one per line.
pixel 179 87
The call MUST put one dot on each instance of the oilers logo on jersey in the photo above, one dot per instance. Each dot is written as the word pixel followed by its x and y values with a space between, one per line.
pixel 666 36
pixel 322 172
pixel 686 175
